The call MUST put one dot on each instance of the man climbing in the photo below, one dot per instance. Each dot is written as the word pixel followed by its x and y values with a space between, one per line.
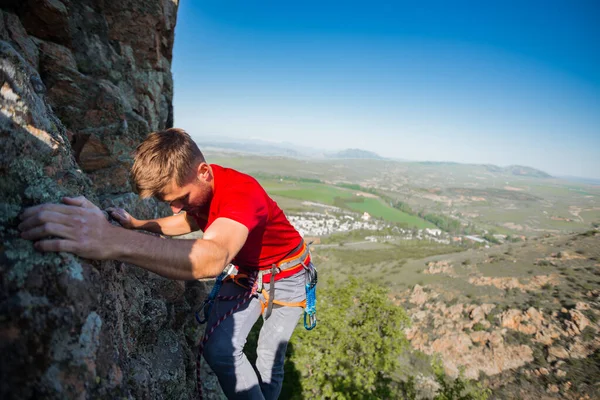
pixel 241 224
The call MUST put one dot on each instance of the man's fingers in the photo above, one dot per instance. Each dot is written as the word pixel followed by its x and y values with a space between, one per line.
pixel 28 212
pixel 79 201
pixel 45 216
pixel 118 213
pixel 56 245
pixel 48 229
pixel 58 208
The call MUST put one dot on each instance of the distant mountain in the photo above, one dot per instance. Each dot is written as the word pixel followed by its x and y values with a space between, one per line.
pixel 518 170
pixel 251 148
pixel 357 153
pixel 494 168
pixel 285 149
pixel 438 163
pixel 521 170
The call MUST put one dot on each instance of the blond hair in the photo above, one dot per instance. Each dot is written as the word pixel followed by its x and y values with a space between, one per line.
pixel 162 157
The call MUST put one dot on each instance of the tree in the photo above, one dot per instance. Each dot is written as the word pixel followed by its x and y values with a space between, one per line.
pixel 353 353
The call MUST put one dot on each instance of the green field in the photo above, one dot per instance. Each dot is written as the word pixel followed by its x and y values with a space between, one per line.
pixel 564 190
pixel 339 197
pixel 377 209
pixel 378 262
pixel 316 192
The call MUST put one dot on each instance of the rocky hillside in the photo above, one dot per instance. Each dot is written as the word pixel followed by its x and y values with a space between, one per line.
pixel 81 84
pixel 521 318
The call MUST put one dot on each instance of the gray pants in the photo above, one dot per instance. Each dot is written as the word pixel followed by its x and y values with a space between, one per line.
pixel 224 349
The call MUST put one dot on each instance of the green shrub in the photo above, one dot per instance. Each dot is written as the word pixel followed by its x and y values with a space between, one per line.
pixel 588 334
pixel 354 351
pixel 517 338
pixel 459 388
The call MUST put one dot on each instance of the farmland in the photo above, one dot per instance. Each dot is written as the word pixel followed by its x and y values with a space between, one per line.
pixel 343 198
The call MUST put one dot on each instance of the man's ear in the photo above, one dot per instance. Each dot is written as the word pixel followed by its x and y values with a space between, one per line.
pixel 203 172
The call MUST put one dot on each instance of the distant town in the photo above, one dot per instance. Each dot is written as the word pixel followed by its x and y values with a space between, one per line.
pixel 336 220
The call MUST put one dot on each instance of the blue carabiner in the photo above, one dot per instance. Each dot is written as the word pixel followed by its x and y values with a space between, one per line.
pixel 213 295
pixel 312 321
pixel 310 311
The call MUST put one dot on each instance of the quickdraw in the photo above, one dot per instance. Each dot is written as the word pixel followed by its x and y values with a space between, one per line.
pixel 310 310
pixel 210 300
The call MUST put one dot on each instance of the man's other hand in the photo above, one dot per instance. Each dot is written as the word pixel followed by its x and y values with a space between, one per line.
pixel 122 217
pixel 77 226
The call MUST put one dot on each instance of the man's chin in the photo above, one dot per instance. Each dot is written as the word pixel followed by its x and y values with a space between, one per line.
pixel 191 210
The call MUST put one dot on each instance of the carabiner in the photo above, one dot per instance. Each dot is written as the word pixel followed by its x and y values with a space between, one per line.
pixel 206 312
pixel 312 320
pixel 310 310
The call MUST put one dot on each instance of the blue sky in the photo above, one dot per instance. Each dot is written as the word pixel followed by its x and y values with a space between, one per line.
pixel 501 82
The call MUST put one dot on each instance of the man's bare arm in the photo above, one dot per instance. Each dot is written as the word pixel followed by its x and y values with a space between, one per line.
pixel 184 259
pixel 83 230
pixel 174 225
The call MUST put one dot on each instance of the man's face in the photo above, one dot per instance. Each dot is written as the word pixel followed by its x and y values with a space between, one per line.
pixel 190 197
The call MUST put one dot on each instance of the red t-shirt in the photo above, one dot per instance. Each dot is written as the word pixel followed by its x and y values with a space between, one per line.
pixel 240 197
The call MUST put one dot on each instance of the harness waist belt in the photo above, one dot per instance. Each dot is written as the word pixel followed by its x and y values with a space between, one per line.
pixel 292 263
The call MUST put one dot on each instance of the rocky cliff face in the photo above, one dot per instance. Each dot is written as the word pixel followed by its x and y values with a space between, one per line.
pixel 81 84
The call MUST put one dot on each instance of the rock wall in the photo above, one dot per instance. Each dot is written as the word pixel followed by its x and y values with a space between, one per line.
pixel 81 84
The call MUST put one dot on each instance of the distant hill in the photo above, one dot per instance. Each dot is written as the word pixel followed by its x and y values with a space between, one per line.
pixel 285 149
pixel 521 170
pixel 251 148
pixel 518 170
pixel 438 163
pixel 357 153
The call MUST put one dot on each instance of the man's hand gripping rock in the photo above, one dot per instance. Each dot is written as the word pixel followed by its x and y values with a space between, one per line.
pixel 76 226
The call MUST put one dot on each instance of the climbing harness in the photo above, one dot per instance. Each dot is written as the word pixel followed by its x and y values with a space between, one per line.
pixel 254 285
